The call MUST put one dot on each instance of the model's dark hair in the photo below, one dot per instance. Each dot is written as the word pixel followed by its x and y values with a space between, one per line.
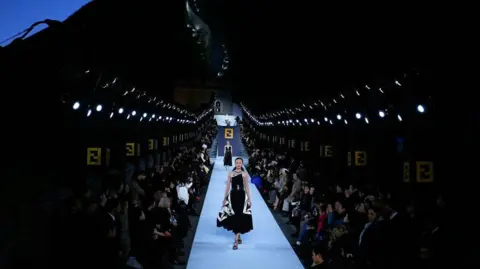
pixel 238 158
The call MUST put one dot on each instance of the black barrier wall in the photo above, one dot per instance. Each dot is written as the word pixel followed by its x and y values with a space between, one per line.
pixel 386 155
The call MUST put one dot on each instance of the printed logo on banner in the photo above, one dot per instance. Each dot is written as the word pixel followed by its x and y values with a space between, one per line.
pixel 406 172
pixel 349 158
pixel 424 172
pixel 94 156
pixel 291 143
pixel 326 151
pixel 306 146
pixel 131 150
pixel 152 144
pixel 360 158
pixel 164 141
pixel 229 133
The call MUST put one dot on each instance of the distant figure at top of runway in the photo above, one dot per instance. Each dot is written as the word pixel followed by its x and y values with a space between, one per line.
pixel 236 214
pixel 227 155
pixel 227 121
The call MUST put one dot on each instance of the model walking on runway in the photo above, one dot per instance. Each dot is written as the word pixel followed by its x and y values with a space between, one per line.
pixel 227 155
pixel 236 214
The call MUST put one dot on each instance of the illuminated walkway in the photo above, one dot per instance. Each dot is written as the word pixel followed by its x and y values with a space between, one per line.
pixel 264 247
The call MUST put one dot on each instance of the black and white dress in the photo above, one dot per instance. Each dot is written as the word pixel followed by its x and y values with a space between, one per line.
pixel 236 215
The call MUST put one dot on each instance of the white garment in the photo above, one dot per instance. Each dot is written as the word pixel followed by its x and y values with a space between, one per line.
pixel 182 192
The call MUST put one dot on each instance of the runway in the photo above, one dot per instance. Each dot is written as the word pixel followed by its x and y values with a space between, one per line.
pixel 264 247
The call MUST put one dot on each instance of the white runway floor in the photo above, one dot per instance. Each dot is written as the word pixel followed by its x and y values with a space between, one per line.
pixel 264 247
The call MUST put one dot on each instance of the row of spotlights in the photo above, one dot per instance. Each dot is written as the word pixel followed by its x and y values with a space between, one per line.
pixel 98 108
pixel 359 116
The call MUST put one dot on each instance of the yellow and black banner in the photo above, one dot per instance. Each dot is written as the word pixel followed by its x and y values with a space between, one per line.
pixel 228 133
pixel 165 141
pixel 326 151
pixel 132 149
pixel 152 144
pixel 292 143
pixel 424 172
pixel 360 158
pixel 98 156
pixel 94 156
pixel 305 146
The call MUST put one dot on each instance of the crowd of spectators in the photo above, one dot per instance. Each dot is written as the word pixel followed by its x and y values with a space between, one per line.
pixel 137 222
pixel 347 226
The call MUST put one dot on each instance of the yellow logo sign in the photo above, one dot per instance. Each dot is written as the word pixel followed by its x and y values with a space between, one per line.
pixel 164 141
pixel 229 133
pixel 326 151
pixel 131 150
pixel 94 156
pixel 152 144
pixel 406 172
pixel 305 146
pixel 291 143
pixel 360 158
pixel 424 172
